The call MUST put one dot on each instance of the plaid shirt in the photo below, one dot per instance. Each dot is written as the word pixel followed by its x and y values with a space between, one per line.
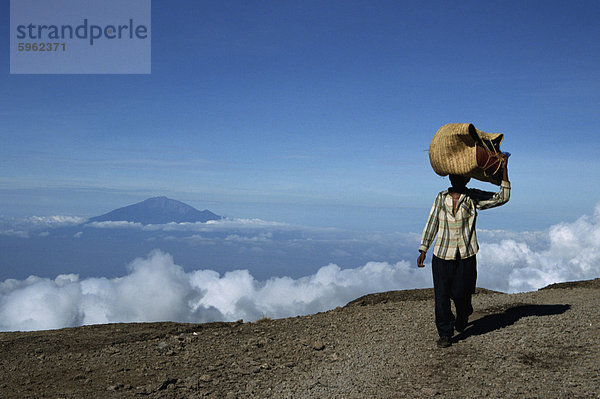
pixel 456 233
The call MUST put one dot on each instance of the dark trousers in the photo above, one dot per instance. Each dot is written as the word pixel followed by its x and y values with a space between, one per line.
pixel 453 279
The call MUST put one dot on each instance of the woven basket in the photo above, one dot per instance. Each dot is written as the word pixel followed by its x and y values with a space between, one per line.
pixel 454 151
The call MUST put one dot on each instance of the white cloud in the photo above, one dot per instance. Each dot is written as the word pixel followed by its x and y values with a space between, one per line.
pixel 535 239
pixel 195 239
pixel 262 237
pixel 155 288
pixel 55 221
pixel 15 233
pixel 244 222
pixel 22 227
pixel 117 225
pixel 572 253
pixel 211 226
pixel 158 289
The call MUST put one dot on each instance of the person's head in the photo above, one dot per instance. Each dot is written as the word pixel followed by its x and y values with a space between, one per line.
pixel 459 181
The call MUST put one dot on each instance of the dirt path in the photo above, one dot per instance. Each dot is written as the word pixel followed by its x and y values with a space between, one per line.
pixel 543 344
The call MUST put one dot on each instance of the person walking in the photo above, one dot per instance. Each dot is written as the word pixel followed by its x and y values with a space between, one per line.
pixel 452 218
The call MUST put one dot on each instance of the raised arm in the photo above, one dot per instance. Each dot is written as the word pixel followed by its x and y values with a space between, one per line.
pixel 486 200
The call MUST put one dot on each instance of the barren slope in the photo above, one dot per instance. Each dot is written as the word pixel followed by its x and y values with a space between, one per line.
pixel 542 344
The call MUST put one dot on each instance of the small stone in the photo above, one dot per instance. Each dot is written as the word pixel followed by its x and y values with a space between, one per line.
pixel 163 346
pixel 205 378
pixel 318 345
pixel 111 350
pixel 165 384
pixel 144 390
pixel 115 387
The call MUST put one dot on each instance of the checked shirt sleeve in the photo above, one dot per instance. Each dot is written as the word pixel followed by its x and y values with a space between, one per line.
pixel 485 200
pixel 432 225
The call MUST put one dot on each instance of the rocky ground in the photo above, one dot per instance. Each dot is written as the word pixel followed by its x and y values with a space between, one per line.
pixel 543 344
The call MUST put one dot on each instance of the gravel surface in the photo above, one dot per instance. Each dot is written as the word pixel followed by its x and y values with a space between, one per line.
pixel 543 344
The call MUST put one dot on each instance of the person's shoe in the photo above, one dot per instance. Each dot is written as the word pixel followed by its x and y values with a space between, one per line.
pixel 444 342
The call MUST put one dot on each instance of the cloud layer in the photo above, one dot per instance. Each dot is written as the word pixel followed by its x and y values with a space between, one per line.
pixel 572 253
pixel 156 289
pixel 22 227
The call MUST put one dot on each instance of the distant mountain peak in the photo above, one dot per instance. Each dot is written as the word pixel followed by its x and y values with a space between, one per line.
pixel 157 210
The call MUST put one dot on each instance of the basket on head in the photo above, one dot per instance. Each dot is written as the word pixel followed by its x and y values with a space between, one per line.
pixel 456 149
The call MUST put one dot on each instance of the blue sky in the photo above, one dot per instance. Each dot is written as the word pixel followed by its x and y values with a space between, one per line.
pixel 314 112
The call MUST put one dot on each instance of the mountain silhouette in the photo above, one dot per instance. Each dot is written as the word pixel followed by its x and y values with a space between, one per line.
pixel 157 210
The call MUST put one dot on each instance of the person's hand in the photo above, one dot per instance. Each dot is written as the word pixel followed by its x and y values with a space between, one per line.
pixel 505 168
pixel 421 259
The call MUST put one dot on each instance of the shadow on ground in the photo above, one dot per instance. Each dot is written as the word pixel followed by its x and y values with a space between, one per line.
pixel 508 317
